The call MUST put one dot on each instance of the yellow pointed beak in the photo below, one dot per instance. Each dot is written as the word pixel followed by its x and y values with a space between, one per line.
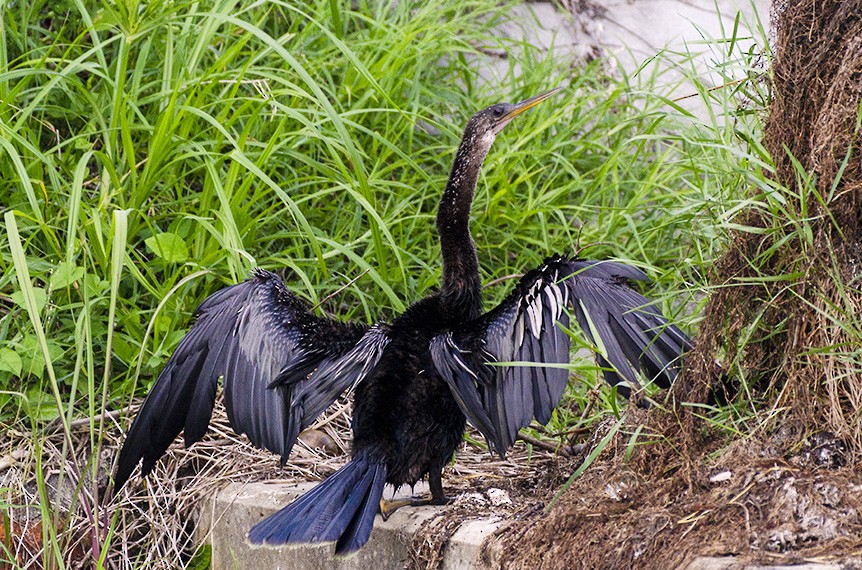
pixel 519 108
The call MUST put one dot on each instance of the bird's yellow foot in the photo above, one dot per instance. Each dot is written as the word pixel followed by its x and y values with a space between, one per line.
pixel 389 507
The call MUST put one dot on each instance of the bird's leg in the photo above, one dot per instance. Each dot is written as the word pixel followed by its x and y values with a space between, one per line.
pixel 435 481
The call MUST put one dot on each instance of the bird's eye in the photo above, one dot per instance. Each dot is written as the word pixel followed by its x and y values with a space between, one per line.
pixel 498 112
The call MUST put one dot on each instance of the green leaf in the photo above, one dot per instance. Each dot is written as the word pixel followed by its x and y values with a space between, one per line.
pixel 10 361
pixel 169 246
pixel 39 406
pixel 39 295
pixel 65 274
pixel 126 350
pixel 32 361
pixel 95 286
pixel 587 462
pixel 202 558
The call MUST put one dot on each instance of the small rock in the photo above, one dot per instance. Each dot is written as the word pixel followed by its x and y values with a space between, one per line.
pixel 498 497
pixel 720 477
pixel 472 498
pixel 617 491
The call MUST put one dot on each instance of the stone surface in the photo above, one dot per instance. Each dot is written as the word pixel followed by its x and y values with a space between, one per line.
pixel 634 30
pixel 465 546
pixel 730 563
pixel 630 33
pixel 225 522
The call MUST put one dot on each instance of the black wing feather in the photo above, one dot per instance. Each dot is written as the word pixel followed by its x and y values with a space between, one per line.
pixel 528 328
pixel 282 366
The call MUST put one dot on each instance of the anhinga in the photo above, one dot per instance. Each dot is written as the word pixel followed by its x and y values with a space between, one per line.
pixel 416 379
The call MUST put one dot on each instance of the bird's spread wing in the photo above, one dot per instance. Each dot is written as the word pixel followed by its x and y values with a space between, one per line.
pixel 282 367
pixel 510 364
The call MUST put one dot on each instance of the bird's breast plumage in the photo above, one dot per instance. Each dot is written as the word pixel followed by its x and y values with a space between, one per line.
pixel 404 407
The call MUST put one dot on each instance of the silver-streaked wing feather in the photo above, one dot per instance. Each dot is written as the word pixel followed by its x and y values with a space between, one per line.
pixel 509 365
pixel 282 366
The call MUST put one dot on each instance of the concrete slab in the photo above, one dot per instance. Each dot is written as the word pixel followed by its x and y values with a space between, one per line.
pixel 464 548
pixel 631 32
pixel 642 28
pixel 731 563
pixel 226 520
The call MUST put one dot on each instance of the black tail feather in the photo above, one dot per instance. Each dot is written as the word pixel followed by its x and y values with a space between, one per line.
pixel 341 509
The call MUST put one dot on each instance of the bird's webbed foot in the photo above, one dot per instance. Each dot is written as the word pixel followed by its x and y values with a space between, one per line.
pixel 441 500
pixel 389 507
pixel 435 482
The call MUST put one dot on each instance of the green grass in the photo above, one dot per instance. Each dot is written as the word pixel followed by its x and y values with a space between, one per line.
pixel 154 152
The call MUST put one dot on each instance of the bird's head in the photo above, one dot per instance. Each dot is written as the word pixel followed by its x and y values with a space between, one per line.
pixel 485 125
pixel 478 136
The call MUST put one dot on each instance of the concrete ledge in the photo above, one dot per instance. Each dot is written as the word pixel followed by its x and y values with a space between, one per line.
pixel 227 518
pixel 731 563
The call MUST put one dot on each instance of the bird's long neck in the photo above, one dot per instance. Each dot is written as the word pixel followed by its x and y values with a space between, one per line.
pixel 462 289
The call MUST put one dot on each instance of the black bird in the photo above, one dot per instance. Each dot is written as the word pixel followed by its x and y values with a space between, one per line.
pixel 416 379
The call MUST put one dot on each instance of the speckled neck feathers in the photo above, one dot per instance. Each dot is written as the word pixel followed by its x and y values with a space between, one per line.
pixel 461 286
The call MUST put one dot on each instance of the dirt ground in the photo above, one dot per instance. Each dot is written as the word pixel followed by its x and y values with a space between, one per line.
pixel 753 499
